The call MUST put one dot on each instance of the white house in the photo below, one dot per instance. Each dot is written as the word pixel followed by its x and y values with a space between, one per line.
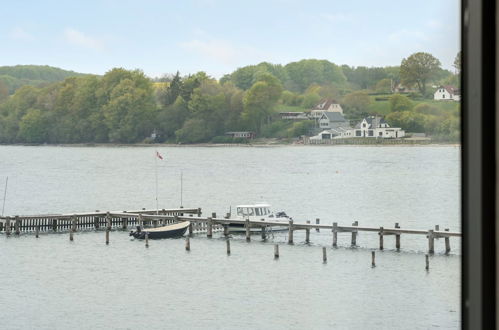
pixel 374 126
pixel 329 120
pixel 447 93
pixel 326 105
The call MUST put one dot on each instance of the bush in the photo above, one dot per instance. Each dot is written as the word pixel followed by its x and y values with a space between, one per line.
pixel 400 103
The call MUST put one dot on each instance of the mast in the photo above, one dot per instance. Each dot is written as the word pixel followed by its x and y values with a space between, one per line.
pixel 5 194
pixel 181 189
pixel 156 171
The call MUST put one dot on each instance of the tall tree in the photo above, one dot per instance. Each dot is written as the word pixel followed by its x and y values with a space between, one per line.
pixel 418 69
pixel 457 62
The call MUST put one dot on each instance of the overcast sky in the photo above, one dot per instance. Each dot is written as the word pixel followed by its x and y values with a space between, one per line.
pixel 219 36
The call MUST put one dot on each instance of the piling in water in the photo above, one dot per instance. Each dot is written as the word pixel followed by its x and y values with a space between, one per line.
pixel 431 242
pixel 380 238
pixel 397 238
pixel 307 233
pixel 354 234
pixel 276 251
pixel 427 262
pixel 107 236
pixel 447 243
pixel 37 231
pixel 228 247
pixel 373 259
pixel 317 221
pixel 335 234
pixel 71 234
pixel 324 255
pixel 187 244
pixel 248 234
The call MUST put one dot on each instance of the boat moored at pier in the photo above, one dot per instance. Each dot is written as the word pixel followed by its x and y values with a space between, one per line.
pixel 171 231
pixel 259 212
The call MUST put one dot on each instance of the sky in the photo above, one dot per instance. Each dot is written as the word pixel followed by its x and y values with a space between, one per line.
pixel 218 36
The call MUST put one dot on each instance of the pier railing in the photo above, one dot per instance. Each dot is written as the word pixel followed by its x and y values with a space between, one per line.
pixel 153 218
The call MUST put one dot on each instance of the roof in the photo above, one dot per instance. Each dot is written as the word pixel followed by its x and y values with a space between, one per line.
pixel 324 104
pixel 451 89
pixel 372 122
pixel 335 116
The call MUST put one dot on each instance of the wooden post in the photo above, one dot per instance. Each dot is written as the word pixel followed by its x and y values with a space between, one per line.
pixel 335 234
pixel 324 255
pixel 427 259
pixel 397 238
pixel 431 242
pixel 248 233
pixel 71 234
pixel 307 233
pixel 437 227
pixel 373 259
pixel 290 235
pixel 276 251
pixel 264 234
pixel 37 231
pixel 213 215
pixel 141 221
pixel 226 230
pixel 199 212
pixel 209 231
pixel 7 226
pixel 187 244
pixel 380 238
pixel 108 220
pixel 107 236
pixel 96 222
pixel 317 221
pixel 228 247
pixel 447 243
pixel 73 224
pixel 147 239
pixel 54 225
pixel 17 225
pixel 354 234
pixel 191 230
pixel 124 223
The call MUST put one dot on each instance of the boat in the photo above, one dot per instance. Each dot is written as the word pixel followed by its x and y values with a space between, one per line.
pixel 171 231
pixel 259 212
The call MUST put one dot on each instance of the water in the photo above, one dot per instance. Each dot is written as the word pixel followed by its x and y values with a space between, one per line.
pixel 51 283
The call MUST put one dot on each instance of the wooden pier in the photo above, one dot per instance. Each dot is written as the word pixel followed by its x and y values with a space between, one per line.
pixel 198 224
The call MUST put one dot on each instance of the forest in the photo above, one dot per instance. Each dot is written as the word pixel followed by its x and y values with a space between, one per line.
pixel 125 106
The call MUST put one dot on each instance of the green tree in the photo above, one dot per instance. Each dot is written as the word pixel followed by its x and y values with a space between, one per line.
pixel 356 104
pixel 418 69
pixel 34 127
pixel 384 86
pixel 400 103
pixel 260 101
pixel 457 62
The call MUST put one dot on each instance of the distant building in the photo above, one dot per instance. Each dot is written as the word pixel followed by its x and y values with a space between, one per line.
pixel 293 115
pixel 375 126
pixel 245 135
pixel 332 120
pixel 447 93
pixel 325 105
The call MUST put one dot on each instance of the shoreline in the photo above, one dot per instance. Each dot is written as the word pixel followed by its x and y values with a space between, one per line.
pixel 225 145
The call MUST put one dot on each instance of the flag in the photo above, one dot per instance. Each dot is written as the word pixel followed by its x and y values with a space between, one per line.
pixel 159 155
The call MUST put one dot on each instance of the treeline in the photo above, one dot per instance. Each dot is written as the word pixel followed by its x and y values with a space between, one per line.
pixel 127 107
pixel 14 77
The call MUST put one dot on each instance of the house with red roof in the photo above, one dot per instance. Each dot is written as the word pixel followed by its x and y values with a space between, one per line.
pixel 444 93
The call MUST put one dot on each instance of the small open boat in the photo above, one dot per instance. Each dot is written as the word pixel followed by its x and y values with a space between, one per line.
pixel 170 231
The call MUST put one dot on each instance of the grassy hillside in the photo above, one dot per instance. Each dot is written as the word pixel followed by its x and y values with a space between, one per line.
pixel 36 75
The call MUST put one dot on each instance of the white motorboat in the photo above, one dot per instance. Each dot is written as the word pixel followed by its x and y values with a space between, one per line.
pixel 259 212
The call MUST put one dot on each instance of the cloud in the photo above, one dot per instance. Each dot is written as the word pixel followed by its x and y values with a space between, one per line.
pixel 20 34
pixel 407 35
pixel 77 38
pixel 434 24
pixel 218 50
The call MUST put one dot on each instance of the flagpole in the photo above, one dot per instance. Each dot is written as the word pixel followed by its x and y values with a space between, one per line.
pixel 156 170
pixel 5 194
pixel 181 188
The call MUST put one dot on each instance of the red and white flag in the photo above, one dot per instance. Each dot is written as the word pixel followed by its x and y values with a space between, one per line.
pixel 159 155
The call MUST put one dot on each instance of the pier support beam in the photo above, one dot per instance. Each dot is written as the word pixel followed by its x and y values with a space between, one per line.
pixel 226 230
pixel 209 229
pixel 191 230
pixel 317 221
pixel 264 232
pixel 431 241
pixel 228 247
pixel 290 234
pixel 17 225
pixel 54 225
pixel 307 233
pixel 96 222
pixel 124 223
pixel 7 226
pixel 37 231
pixel 380 238
pixel 447 243
pixel 335 234
pixel 108 221
pixel 248 233
pixel 354 234
pixel 397 238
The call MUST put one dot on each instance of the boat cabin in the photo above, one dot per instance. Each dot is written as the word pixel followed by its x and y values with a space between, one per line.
pixel 257 210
